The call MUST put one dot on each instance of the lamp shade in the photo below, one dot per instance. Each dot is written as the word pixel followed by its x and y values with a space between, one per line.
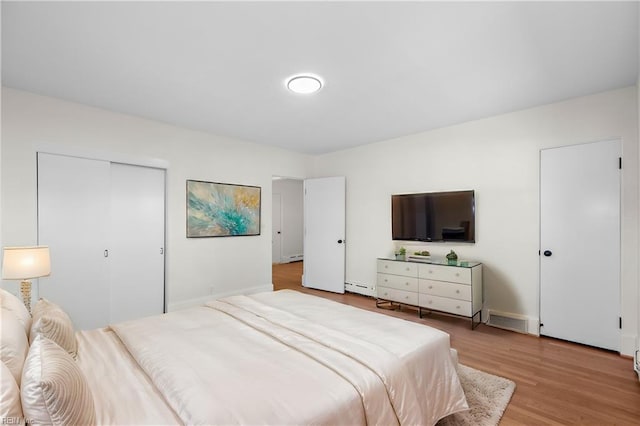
pixel 21 263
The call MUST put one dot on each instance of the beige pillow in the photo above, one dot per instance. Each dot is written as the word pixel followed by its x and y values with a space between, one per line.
pixel 10 302
pixel 54 391
pixel 53 323
pixel 10 407
pixel 13 344
pixel 41 306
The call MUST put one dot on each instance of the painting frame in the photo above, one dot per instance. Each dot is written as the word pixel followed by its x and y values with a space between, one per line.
pixel 216 209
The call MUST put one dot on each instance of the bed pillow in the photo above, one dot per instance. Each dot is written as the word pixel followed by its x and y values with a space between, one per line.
pixel 54 391
pixel 41 306
pixel 53 323
pixel 11 303
pixel 10 406
pixel 14 344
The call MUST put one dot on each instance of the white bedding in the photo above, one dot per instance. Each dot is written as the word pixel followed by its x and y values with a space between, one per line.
pixel 289 358
pixel 122 392
pixel 424 350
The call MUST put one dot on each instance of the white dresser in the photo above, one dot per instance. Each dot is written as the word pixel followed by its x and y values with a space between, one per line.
pixel 433 285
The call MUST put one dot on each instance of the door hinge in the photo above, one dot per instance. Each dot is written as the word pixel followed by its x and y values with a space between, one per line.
pixel 620 163
pixel 620 323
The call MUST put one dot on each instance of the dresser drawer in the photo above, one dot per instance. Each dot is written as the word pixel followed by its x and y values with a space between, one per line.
pixel 445 289
pixel 398 268
pixel 445 273
pixel 444 304
pixel 399 282
pixel 401 296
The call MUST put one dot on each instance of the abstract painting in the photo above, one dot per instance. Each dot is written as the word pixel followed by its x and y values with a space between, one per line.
pixel 222 209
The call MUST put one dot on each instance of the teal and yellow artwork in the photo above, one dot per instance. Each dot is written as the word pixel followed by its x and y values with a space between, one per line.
pixel 222 209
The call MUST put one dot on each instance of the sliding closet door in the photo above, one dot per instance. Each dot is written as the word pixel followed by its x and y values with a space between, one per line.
pixel 73 208
pixel 104 225
pixel 136 252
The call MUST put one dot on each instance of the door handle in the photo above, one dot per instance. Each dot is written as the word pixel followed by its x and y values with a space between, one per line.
pixel 547 253
pixel 106 253
pixel 339 241
pixel 161 250
pixel 279 232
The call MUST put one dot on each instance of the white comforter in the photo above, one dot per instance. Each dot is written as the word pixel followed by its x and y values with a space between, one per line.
pixel 290 358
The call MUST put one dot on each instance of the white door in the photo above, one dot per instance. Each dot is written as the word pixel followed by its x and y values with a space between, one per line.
pixel 276 229
pixel 580 243
pixel 324 236
pixel 136 246
pixel 73 208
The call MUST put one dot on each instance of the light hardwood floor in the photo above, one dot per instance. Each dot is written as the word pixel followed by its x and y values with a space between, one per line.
pixel 557 382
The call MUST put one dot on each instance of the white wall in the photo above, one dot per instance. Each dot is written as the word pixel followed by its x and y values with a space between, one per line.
pixel 292 198
pixel 498 157
pixel 196 268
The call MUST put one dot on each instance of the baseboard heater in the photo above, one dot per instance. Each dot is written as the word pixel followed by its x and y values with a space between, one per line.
pixel 293 258
pixel 359 288
pixel 507 321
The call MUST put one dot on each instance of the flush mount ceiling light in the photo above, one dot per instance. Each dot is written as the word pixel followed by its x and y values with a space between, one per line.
pixel 304 84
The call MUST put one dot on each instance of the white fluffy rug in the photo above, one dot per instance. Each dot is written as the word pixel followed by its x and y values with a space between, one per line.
pixel 487 396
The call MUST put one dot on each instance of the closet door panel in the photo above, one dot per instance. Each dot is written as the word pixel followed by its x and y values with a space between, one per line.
pixel 73 215
pixel 136 241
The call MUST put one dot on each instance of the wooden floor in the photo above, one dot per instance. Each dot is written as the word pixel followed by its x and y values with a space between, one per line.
pixel 557 382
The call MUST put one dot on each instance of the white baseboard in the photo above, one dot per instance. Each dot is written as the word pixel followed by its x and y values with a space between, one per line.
pixel 199 301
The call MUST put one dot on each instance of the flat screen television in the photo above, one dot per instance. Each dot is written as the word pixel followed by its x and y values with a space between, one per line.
pixel 434 216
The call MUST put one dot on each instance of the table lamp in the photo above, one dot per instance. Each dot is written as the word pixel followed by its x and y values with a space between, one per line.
pixel 24 263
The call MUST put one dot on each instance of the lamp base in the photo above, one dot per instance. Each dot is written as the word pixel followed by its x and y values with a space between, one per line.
pixel 25 290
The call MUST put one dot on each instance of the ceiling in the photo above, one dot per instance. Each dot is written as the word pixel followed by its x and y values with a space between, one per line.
pixel 390 68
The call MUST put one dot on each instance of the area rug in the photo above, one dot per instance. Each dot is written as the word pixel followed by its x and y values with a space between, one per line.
pixel 487 396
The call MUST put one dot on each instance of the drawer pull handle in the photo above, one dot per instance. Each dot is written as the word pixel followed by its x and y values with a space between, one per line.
pixel 408 269
pixel 406 297
pixel 458 307
pixel 430 301
pixel 457 274
pixel 430 271
pixel 386 280
pixel 386 294
pixel 430 287
pixel 458 291
pixel 386 266
pixel 407 283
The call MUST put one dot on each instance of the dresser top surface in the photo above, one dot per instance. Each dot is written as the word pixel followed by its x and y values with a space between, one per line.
pixel 460 263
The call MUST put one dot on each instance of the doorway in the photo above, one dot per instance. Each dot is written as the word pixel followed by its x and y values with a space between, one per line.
pixel 287 220
pixel 287 236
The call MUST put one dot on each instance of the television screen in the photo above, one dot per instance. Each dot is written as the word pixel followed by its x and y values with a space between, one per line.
pixel 434 216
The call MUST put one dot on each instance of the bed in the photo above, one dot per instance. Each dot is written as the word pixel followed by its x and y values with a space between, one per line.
pixel 271 358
